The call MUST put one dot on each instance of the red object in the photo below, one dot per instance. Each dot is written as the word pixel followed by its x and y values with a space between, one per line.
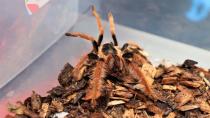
pixel 33 7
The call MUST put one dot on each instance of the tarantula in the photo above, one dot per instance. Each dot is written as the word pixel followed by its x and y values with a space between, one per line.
pixel 124 63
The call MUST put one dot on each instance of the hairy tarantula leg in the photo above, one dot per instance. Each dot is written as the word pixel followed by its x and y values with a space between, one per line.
pixel 95 88
pixel 112 28
pixel 100 27
pixel 143 79
pixel 84 36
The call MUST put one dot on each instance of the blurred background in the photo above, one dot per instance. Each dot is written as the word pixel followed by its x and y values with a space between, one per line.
pixel 186 21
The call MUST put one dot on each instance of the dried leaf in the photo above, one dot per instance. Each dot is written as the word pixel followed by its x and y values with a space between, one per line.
pixel 204 78
pixel 172 71
pixel 16 109
pixel 119 98
pixel 194 84
pixel 96 115
pixel 22 110
pixel 134 104
pixel 169 87
pixel 115 102
pixel 35 101
pixel 142 107
pixel 205 116
pixel 106 115
pixel 60 115
pixel 129 114
pixel 63 77
pixel 157 116
pixel 184 96
pixel 123 94
pixel 204 106
pixel 149 70
pixel 71 97
pixel 206 72
pixel 120 88
pixel 58 105
pixel 44 109
pixel 171 115
pixel 145 114
pixel 188 107
pixel 186 75
pixel 169 80
pixel 154 109
pixel 159 71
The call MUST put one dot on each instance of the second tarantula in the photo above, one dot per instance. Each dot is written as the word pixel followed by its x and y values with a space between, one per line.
pixel 127 64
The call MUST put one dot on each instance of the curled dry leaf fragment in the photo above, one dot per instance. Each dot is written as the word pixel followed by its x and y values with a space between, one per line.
pixel 184 96
pixel 204 106
pixel 20 109
pixel 154 109
pixel 171 115
pixel 135 104
pixel 119 98
pixel 63 77
pixel 142 107
pixel 58 105
pixel 44 110
pixel 71 97
pixel 60 115
pixel 157 116
pixel 149 70
pixel 204 78
pixel 188 107
pixel 169 87
pixel 186 75
pixel 194 84
pixel 35 101
pixel 106 115
pixel 172 71
pixel 159 71
pixel 120 88
pixel 15 109
pixel 123 94
pixel 115 102
pixel 169 80
pixel 129 113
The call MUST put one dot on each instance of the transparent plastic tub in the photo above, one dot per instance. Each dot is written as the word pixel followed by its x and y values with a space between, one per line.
pixel 28 28
pixel 42 74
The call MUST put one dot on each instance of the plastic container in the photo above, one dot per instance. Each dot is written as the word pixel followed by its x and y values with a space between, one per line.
pixel 42 74
pixel 28 28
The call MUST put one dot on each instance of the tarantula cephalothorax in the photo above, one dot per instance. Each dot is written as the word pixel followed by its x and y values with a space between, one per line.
pixel 127 64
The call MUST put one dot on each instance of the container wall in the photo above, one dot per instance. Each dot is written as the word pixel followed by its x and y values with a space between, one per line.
pixel 28 28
